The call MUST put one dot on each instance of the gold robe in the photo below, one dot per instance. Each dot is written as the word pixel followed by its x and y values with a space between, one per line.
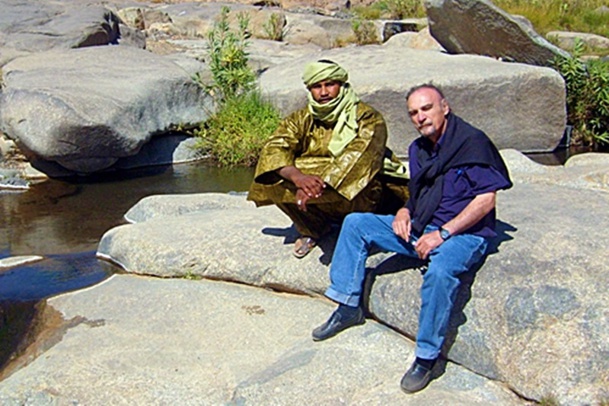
pixel 302 142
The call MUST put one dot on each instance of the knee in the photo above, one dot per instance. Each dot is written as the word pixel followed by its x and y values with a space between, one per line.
pixel 354 221
pixel 440 276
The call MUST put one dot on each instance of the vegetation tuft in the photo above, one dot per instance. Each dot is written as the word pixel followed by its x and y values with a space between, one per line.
pixel 365 32
pixel 587 98
pixel 391 9
pixel 274 27
pixel 235 134
pixel 563 15
pixel 228 58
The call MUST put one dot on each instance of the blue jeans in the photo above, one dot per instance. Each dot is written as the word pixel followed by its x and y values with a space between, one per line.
pixel 362 231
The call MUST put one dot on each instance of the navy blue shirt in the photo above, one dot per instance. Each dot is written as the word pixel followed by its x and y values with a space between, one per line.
pixel 461 185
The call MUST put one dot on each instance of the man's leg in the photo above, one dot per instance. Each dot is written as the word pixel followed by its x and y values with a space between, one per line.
pixel 438 292
pixel 359 233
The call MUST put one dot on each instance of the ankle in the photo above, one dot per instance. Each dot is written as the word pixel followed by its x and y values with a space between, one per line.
pixel 426 363
pixel 347 311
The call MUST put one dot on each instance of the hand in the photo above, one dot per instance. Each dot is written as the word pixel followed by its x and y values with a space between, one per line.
pixel 427 243
pixel 301 200
pixel 312 185
pixel 401 224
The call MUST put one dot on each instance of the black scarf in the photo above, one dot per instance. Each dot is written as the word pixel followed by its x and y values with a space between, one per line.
pixel 462 144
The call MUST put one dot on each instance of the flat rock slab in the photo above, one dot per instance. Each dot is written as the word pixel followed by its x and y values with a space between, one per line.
pixel 534 318
pixel 136 340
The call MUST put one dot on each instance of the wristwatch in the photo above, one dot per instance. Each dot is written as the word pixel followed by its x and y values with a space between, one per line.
pixel 444 233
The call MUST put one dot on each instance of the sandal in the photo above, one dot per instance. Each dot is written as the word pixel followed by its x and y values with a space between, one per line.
pixel 303 246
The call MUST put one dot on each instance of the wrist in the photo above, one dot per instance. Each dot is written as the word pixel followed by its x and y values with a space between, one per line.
pixel 444 233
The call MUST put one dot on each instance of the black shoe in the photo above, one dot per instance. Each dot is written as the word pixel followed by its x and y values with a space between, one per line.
pixel 337 323
pixel 416 378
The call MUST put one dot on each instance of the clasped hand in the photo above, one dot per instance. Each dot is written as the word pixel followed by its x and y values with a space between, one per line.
pixel 309 187
pixel 402 226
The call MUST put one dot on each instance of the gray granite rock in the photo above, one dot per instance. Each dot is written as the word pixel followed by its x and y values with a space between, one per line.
pixel 533 316
pixel 83 109
pixel 567 39
pixel 480 27
pixel 146 341
pixel 531 99
pixel 34 27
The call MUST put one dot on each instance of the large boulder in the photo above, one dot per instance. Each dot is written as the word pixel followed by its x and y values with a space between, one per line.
pixel 533 316
pixel 519 106
pixel 27 27
pixel 146 341
pixel 86 108
pixel 480 27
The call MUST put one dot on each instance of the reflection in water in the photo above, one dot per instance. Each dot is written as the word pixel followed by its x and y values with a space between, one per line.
pixel 66 216
pixel 55 274
pixel 65 219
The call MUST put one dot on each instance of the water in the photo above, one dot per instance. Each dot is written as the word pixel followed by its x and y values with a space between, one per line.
pixel 63 220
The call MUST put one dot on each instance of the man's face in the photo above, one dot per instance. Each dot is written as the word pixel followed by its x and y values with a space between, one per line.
pixel 428 110
pixel 325 90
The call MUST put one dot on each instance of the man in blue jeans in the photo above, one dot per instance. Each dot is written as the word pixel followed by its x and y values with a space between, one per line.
pixel 455 173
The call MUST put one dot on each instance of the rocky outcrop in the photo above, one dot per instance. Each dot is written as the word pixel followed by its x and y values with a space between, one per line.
pixel 86 108
pixel 531 99
pixel 566 40
pixel 35 27
pixel 533 316
pixel 146 341
pixel 479 27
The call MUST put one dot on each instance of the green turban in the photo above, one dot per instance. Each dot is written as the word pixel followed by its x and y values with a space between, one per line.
pixel 340 112
pixel 315 72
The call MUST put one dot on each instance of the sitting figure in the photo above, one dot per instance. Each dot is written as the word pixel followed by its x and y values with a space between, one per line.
pixel 328 159
pixel 450 215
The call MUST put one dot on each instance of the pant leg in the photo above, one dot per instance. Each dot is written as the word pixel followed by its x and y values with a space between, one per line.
pixel 359 233
pixel 438 291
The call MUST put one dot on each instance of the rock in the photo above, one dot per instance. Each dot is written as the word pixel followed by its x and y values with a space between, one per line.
pixel 28 27
pixel 149 341
pixel 325 32
pixel 533 317
pixel 531 99
pixel 566 40
pixel 394 27
pixel 479 27
pixel 421 40
pixel 86 108
pixel 10 262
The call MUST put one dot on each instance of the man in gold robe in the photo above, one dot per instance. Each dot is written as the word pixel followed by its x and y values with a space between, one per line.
pixel 328 160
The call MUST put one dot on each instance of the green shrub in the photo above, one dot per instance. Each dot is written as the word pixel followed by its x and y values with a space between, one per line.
pixel 400 9
pixel 237 132
pixel 273 27
pixel 228 58
pixel 562 15
pixel 391 9
pixel 587 97
pixel 365 32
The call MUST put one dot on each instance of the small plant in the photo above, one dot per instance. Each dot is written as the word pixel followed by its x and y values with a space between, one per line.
pixel 561 15
pixel 228 58
pixel 587 97
pixel 237 132
pixel 365 32
pixel 549 401
pixel 273 27
pixel 399 9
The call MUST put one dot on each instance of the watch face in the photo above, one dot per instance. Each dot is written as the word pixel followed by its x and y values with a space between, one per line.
pixel 444 234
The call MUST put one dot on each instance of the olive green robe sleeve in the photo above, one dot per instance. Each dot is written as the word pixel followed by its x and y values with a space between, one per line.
pixel 283 147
